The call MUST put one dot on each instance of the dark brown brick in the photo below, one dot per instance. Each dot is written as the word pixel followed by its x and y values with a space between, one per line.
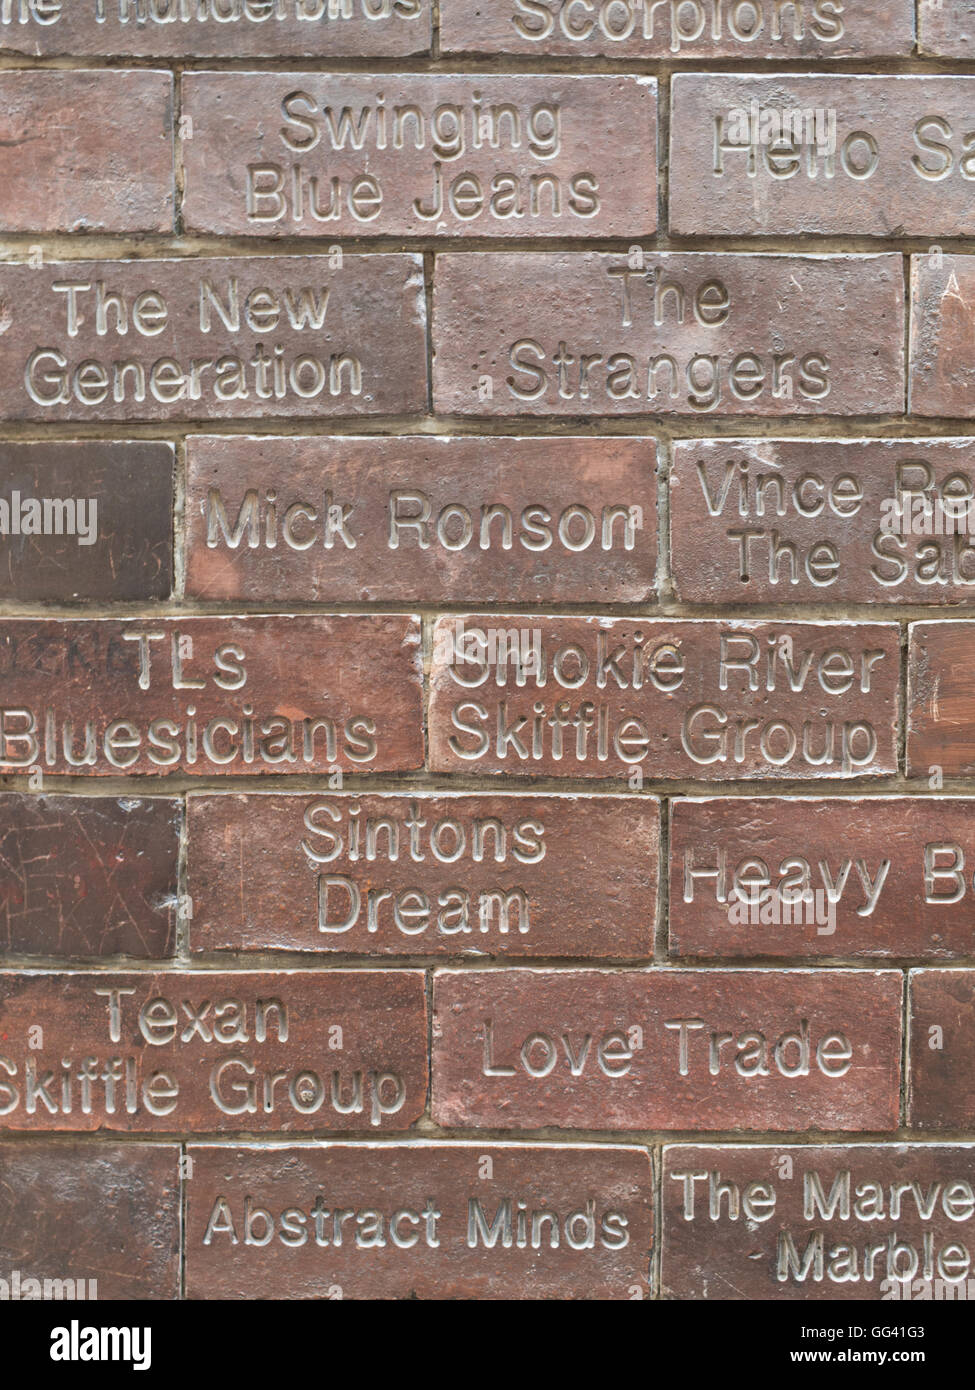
pixel 69 161
pixel 244 28
pixel 662 1049
pixel 823 520
pixel 210 695
pixel 232 338
pixel 941 703
pixel 103 1213
pixel 585 334
pixel 205 1051
pixel 716 701
pixel 892 866
pixel 942 1049
pixel 793 154
pixel 420 1220
pixel 947 28
pixel 419 874
pixel 861 1221
pixel 315 154
pixel 699 30
pixel 113 503
pixel 88 876
pixel 942 365
pixel 422 519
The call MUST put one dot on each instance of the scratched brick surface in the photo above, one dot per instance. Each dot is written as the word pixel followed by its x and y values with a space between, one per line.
pixel 823 521
pixel 686 334
pixel 238 338
pixel 941 705
pixel 417 874
pixel 598 697
pixel 83 521
pixel 884 876
pixel 296 154
pixel 772 1050
pixel 206 695
pixel 207 1051
pixel 856 1221
pixel 86 173
pixel 646 29
pixel 88 876
pixel 73 1212
pixel 419 520
pixel 884 156
pixel 947 29
pixel 942 1049
pixel 420 1220
pixel 216 28
pixel 942 368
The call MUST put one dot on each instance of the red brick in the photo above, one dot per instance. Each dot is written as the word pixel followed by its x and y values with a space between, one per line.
pixel 822 520
pixel 737 335
pixel 850 1222
pixel 421 874
pixel 116 539
pixel 894 862
pixel 667 1049
pixel 947 28
pixel 106 1213
pixel 165 694
pixel 871 28
pixel 266 159
pixel 252 315
pixel 420 1220
pixel 208 1051
pixel 942 355
pixel 68 160
pixel 601 697
pixel 875 161
pixel 422 519
pixel 942 1049
pixel 941 704
pixel 88 876
pixel 300 28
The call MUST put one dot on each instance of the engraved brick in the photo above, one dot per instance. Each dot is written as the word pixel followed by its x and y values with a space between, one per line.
pixel 234 338
pixel 716 701
pixel 216 28
pixel 422 519
pixel 823 520
pixel 779 1050
pixel 584 334
pixel 851 1222
pixel 942 1049
pixel 88 876
pixel 86 520
pixel 205 1051
pixel 884 877
pixel 947 28
pixel 648 29
pixel 69 160
pixel 420 1220
pixel 315 154
pixel 941 705
pixel 420 874
pixel 795 154
pixel 942 354
pixel 104 1213
pixel 210 695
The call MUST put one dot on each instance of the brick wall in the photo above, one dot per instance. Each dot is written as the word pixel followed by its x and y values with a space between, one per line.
pixel 478 487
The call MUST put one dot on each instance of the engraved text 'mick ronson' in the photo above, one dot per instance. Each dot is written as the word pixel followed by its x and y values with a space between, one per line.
pixel 207 1051
pixel 240 338
pixel 596 334
pixel 210 695
pixel 597 697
